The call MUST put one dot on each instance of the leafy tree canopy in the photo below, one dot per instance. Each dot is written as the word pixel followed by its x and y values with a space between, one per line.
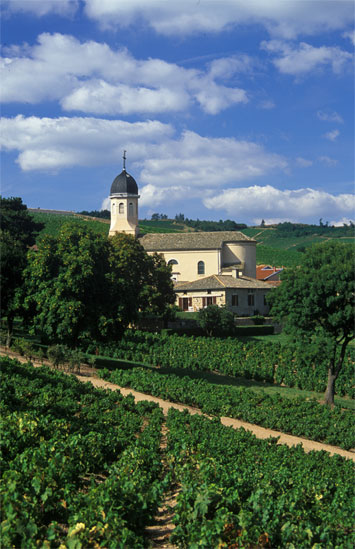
pixel 317 298
pixel 216 321
pixel 16 220
pixel 17 231
pixel 83 285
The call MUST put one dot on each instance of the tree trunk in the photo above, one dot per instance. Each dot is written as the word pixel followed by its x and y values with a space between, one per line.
pixel 10 323
pixel 330 391
pixel 333 372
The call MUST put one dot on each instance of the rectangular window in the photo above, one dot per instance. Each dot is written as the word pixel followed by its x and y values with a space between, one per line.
pixel 251 301
pixel 234 300
pixel 210 300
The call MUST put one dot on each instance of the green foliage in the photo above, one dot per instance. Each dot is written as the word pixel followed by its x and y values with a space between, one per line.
pixel 278 257
pixel 17 232
pixel 300 417
pixel 258 319
pixel 58 355
pixel 216 320
pixel 221 225
pixel 17 221
pixel 82 285
pixel 318 299
pixel 101 214
pixel 52 223
pixel 81 467
pixel 237 491
pixel 78 469
pixel 303 365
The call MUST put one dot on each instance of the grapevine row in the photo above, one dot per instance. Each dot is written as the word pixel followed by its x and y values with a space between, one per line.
pixel 305 367
pixel 298 416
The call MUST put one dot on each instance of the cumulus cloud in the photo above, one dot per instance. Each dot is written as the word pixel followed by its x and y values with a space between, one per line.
pixel 93 78
pixel 332 135
pixel 268 203
pixel 207 162
pixel 303 58
pixel 53 144
pixel 280 18
pixel 189 161
pixel 330 117
pixel 41 7
pixel 350 35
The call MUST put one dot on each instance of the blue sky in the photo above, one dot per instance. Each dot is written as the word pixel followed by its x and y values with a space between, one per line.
pixel 227 108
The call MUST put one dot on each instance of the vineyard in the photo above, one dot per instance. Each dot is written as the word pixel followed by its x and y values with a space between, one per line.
pixel 273 247
pixel 83 467
pixel 304 367
pixel 299 417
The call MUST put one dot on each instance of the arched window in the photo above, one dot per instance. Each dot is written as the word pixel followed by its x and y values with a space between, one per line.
pixel 201 268
pixel 121 208
pixel 173 262
pixel 113 208
pixel 130 209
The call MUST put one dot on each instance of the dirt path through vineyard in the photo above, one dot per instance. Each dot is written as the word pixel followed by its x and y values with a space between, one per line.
pixel 90 374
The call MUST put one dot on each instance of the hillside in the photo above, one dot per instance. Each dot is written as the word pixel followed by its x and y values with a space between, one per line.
pixel 274 246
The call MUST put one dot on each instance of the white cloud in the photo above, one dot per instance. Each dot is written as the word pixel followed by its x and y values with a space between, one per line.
pixel 41 7
pixel 207 162
pixel 267 203
pixel 327 161
pixel 53 144
pixel 100 97
pixel 342 221
pixel 350 35
pixel 332 135
pixel 280 18
pixel 191 162
pixel 92 78
pixel 330 117
pixel 155 196
pixel 304 58
pixel 303 162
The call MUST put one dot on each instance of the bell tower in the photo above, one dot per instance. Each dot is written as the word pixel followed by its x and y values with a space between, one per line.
pixel 124 203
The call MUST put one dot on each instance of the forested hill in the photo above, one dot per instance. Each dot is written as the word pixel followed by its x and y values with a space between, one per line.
pixel 278 245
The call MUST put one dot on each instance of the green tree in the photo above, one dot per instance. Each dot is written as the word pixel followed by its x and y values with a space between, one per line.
pixel 216 321
pixel 145 285
pixel 316 300
pixel 18 231
pixel 83 285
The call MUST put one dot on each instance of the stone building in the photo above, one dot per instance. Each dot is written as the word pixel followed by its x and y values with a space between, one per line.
pixel 207 267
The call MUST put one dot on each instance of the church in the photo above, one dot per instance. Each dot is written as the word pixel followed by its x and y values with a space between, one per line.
pixel 208 268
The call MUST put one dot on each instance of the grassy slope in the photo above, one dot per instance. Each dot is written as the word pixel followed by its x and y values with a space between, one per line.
pixel 270 247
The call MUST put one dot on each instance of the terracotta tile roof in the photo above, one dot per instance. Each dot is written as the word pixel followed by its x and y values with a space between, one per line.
pixel 218 282
pixel 264 272
pixel 191 241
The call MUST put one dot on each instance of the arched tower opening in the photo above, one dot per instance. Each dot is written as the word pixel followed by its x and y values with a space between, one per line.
pixel 124 203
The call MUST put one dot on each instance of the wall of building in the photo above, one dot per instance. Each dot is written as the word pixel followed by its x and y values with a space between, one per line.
pixel 198 299
pixel 240 252
pixel 124 218
pixel 243 307
pixel 186 269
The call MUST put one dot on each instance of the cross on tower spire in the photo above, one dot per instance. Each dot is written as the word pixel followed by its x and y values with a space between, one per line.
pixel 124 160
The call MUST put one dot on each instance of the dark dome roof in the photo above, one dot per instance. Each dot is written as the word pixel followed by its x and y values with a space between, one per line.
pixel 124 183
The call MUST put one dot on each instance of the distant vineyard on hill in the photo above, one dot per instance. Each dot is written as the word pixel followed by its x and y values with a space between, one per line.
pixel 279 245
